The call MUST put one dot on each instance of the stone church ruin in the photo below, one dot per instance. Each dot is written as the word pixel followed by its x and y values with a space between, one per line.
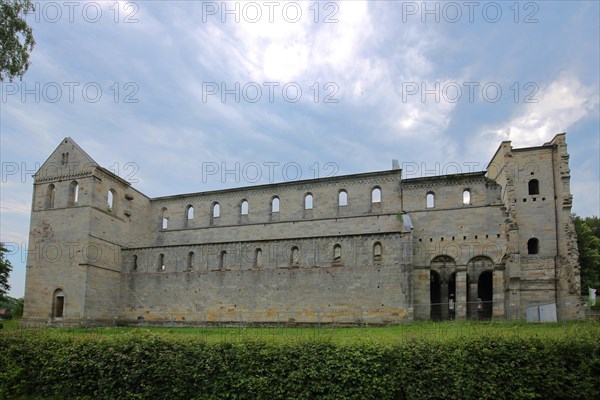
pixel 364 248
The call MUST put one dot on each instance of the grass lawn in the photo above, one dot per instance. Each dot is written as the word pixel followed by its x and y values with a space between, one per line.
pixel 383 334
pixel 9 325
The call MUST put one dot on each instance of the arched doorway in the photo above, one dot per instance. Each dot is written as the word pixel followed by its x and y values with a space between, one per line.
pixel 58 304
pixel 485 291
pixel 443 269
pixel 475 268
pixel 435 296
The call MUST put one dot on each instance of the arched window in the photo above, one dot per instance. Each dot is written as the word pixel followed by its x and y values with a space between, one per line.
pixel 73 193
pixel 342 198
pixel 295 255
pixel 223 259
pixel 258 258
pixel 337 252
pixel 189 215
pixel 244 207
pixel 534 186
pixel 135 263
pixel 377 251
pixel 50 194
pixel 275 204
pixel 161 262
pixel 466 197
pixel 58 303
pixel 165 218
pixel 376 195
pixel 216 210
pixel 190 260
pixel 111 196
pixel 430 200
pixel 308 201
pixel 533 246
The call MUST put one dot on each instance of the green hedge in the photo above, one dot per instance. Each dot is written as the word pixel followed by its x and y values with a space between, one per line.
pixel 153 366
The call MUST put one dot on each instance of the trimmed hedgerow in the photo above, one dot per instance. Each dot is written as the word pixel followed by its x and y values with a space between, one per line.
pixel 143 365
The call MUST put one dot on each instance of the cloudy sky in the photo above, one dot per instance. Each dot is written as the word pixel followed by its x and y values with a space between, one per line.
pixel 187 96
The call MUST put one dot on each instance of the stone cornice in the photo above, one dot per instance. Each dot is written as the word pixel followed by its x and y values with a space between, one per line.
pixel 65 177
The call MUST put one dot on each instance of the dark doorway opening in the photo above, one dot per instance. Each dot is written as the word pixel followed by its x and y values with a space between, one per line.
pixel 435 296
pixel 58 304
pixel 485 293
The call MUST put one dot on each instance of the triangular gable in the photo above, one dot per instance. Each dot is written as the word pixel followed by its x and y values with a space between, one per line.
pixel 67 160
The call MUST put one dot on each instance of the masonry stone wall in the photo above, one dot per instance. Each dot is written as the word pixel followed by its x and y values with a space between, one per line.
pixel 278 288
pixel 312 252
pixel 291 197
pixel 450 227
pixel 55 252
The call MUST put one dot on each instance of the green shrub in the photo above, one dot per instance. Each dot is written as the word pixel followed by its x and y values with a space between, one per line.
pixel 7 315
pixel 145 365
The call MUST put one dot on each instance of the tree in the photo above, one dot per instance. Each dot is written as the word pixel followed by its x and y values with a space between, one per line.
pixel 16 38
pixel 5 269
pixel 18 309
pixel 588 243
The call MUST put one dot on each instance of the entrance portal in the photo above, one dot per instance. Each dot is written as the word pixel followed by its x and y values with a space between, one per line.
pixel 58 304
pixel 442 287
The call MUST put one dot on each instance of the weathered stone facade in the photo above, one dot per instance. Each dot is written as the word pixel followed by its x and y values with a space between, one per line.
pixel 364 248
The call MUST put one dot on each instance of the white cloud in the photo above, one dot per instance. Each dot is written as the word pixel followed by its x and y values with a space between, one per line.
pixel 289 51
pixel 15 207
pixel 562 103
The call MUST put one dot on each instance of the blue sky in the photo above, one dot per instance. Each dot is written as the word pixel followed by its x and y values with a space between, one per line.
pixel 187 96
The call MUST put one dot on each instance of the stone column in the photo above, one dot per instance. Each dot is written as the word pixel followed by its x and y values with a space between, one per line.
pixel 421 295
pixel 472 311
pixel 444 297
pixel 498 295
pixel 461 293
pixel 514 291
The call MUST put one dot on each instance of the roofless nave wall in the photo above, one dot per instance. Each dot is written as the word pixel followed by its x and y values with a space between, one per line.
pixel 369 247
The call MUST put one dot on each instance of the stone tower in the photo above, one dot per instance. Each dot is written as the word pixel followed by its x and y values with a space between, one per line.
pixel 78 224
pixel 541 259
